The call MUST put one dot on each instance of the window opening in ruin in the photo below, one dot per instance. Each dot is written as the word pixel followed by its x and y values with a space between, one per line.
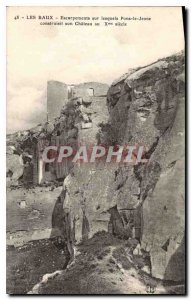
pixel 91 92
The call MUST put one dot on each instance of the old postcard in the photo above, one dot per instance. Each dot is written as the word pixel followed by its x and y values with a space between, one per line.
pixel 95 150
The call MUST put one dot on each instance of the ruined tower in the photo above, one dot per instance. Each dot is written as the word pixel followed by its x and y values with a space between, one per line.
pixel 57 96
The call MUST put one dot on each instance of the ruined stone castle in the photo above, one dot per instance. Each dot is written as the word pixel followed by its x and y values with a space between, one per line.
pixel 90 97
pixel 58 93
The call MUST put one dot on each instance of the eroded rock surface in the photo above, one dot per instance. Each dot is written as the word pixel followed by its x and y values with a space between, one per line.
pixel 146 107
pixel 106 265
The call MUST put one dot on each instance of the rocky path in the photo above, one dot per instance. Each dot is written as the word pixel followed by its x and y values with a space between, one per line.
pixel 105 265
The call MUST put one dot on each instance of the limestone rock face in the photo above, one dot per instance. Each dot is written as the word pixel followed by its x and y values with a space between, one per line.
pixel 148 107
pixel 87 185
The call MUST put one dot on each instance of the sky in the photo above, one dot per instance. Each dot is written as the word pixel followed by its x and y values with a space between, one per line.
pixel 75 54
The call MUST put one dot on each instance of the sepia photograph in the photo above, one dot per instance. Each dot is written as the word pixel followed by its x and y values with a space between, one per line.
pixel 95 150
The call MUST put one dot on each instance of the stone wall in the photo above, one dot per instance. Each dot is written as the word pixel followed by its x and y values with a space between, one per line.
pixel 90 89
pixel 57 96
pixel 58 93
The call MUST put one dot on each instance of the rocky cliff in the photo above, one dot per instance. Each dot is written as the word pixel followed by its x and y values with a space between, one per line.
pixel 146 107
